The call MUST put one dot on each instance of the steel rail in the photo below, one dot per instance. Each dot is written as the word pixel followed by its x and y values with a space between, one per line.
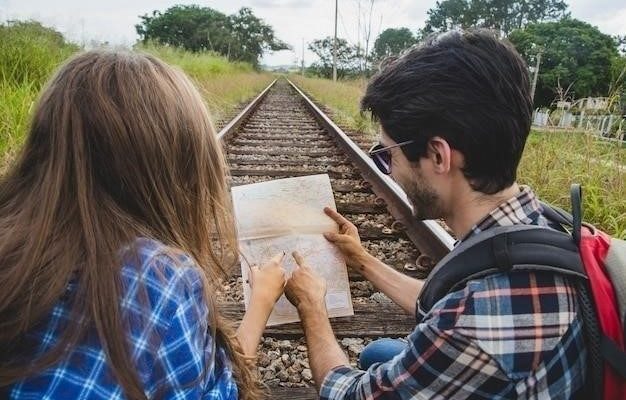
pixel 429 237
pixel 234 124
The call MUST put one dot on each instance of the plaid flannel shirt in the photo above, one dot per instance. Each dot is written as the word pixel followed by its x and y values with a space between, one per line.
pixel 509 335
pixel 169 340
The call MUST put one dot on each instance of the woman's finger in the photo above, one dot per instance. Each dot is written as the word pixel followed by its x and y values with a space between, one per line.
pixel 278 258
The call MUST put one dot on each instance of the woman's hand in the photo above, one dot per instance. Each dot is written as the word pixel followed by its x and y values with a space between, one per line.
pixel 267 282
pixel 347 240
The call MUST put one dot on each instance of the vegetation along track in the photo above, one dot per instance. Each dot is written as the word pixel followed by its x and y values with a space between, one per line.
pixel 282 134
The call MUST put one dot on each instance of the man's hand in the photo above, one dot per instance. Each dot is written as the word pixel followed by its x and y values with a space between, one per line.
pixel 347 240
pixel 267 282
pixel 305 289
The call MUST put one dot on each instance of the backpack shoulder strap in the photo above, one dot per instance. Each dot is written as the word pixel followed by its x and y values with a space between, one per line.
pixel 500 249
pixel 556 215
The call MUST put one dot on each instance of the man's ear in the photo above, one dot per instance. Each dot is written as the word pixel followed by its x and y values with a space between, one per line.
pixel 440 154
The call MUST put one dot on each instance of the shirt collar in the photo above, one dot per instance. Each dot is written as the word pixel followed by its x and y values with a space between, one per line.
pixel 523 208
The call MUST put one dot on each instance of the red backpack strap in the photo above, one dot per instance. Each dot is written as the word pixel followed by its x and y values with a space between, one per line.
pixel 594 247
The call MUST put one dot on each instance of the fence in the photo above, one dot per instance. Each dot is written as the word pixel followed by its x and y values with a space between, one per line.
pixel 608 126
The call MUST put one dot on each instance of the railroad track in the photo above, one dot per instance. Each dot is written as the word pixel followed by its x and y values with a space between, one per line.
pixel 283 134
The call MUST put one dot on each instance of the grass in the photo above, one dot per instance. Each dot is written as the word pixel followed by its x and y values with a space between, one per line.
pixel 550 163
pixel 30 53
pixel 223 84
pixel 342 97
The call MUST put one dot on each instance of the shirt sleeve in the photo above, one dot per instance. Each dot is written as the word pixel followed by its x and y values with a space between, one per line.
pixel 177 353
pixel 436 363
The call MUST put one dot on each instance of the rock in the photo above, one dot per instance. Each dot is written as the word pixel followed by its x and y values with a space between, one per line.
pixel 379 297
pixel 301 348
pixel 264 360
pixel 273 355
pixel 283 376
pixel 272 382
pixel 295 378
pixel 276 366
pixel 285 359
pixel 345 342
pixel 307 375
pixel 297 366
pixel 356 349
pixel 284 345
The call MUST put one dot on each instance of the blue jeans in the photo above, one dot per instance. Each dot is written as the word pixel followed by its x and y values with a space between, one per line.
pixel 380 351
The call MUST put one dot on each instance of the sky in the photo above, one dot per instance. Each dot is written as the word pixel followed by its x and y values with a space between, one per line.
pixel 294 21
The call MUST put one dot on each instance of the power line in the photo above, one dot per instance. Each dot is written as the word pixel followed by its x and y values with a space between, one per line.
pixel 348 37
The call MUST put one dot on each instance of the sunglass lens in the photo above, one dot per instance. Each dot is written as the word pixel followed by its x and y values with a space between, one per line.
pixel 383 162
pixel 382 159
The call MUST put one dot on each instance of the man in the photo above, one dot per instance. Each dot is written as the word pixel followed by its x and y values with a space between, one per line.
pixel 455 114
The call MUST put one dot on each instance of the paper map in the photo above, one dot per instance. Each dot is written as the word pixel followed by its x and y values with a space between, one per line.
pixel 287 215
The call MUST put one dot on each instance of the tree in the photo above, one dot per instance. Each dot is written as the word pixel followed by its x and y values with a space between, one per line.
pixel 621 43
pixel 241 36
pixel 347 61
pixel 501 15
pixel 251 37
pixel 392 42
pixel 193 28
pixel 574 54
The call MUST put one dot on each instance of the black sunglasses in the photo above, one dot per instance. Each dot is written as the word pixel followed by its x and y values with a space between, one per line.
pixel 382 156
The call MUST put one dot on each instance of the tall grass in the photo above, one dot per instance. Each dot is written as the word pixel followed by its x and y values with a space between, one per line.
pixel 224 84
pixel 550 163
pixel 342 97
pixel 30 53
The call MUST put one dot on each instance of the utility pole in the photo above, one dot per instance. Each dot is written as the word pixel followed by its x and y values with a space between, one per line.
pixel 358 38
pixel 534 86
pixel 367 35
pixel 302 71
pixel 335 43
pixel 82 32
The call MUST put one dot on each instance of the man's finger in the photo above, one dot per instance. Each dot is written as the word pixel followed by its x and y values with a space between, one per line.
pixel 299 259
pixel 338 218
pixel 331 236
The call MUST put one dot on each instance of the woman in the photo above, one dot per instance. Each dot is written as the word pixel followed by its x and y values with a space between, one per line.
pixel 115 228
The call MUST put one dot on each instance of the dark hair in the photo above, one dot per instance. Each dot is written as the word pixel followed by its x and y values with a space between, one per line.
pixel 468 87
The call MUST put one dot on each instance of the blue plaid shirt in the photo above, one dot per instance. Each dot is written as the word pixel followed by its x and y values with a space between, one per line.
pixel 509 335
pixel 173 351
